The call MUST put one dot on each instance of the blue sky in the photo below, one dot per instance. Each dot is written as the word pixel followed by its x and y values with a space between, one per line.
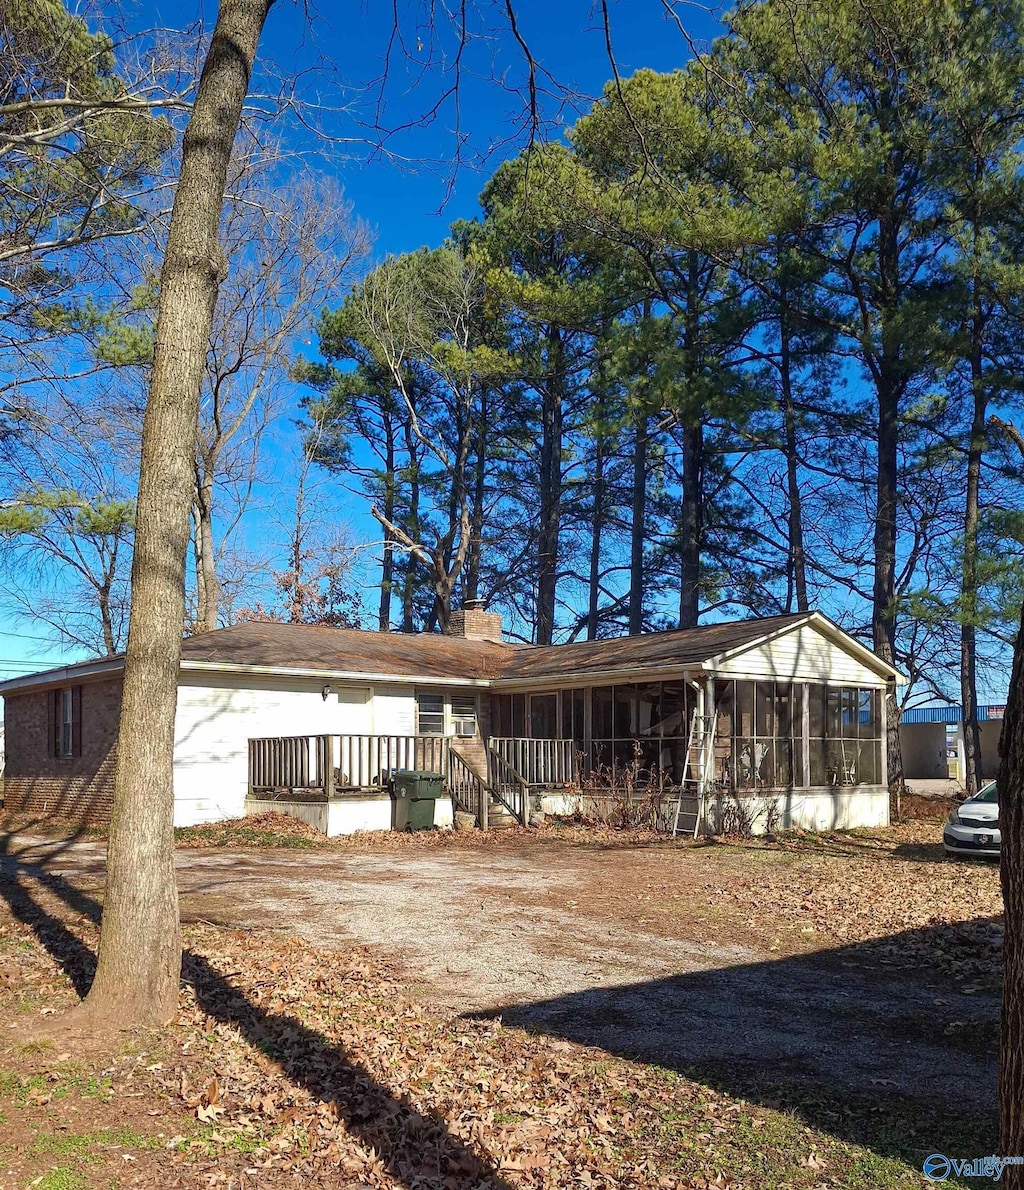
pixel 412 192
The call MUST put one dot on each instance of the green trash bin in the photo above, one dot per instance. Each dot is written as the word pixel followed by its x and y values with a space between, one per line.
pixel 420 790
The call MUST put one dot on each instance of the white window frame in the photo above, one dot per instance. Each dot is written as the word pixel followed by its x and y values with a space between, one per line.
pixel 433 694
pixel 65 750
pixel 448 715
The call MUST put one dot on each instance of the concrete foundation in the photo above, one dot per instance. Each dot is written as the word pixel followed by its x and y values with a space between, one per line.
pixel 351 814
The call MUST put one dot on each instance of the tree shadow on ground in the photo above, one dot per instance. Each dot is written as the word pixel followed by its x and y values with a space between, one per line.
pixel 415 1147
pixel 901 1062
pixel 935 853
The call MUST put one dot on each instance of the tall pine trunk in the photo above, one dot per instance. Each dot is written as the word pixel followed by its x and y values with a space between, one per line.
pixel 883 619
pixel 795 527
pixel 889 384
pixel 691 512
pixel 387 561
pixel 969 569
pixel 140 941
pixel 596 530
pixel 474 557
pixel 690 518
pixel 636 530
pixel 550 512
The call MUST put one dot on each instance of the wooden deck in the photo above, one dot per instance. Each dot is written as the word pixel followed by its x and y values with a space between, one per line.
pixel 330 764
pixel 321 767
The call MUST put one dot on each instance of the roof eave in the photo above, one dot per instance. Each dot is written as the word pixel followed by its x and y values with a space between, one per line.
pixel 338 675
pixel 597 677
pixel 61 675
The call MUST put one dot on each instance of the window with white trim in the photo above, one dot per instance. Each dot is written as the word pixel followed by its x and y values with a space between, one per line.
pixel 429 713
pixel 464 714
pixel 66 720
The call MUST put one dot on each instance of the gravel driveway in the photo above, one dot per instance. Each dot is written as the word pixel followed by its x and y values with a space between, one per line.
pixel 528 934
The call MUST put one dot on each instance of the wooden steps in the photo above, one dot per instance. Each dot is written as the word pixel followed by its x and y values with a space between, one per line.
pixel 499 817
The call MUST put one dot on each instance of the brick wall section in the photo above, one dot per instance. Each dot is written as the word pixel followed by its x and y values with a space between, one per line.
pixel 38 783
pixel 474 624
pixel 473 749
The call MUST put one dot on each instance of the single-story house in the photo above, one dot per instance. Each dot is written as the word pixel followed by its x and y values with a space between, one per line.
pixel 778 721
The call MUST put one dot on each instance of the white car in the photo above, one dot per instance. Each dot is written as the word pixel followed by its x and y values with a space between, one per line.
pixel 973 827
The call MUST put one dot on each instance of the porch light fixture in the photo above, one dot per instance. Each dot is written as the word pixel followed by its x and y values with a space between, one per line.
pixel 325 694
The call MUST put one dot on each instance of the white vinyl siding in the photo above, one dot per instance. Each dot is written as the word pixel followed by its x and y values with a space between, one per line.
pixel 216 719
pixel 802 654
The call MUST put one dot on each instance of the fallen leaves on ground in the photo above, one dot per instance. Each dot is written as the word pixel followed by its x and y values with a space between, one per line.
pixel 290 1065
pixel 893 890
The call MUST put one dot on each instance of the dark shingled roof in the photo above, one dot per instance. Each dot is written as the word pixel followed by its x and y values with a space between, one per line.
pixel 299 646
pixel 306 646
pixel 682 646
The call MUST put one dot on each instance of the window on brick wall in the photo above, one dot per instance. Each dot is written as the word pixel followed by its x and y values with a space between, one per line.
pixel 67 722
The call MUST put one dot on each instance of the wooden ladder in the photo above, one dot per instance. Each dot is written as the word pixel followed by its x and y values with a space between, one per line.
pixel 690 803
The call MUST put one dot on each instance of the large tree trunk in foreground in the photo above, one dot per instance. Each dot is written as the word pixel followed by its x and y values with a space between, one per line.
pixel 1011 818
pixel 140 942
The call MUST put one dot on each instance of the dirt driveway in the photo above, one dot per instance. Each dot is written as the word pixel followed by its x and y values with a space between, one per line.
pixel 860 966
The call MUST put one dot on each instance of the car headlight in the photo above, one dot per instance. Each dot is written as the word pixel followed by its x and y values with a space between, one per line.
pixel 954 818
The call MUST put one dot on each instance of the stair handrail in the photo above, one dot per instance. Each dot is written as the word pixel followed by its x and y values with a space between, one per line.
pixel 508 776
pixel 460 775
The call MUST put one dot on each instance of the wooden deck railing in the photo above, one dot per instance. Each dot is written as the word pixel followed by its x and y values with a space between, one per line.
pixel 327 763
pixel 540 762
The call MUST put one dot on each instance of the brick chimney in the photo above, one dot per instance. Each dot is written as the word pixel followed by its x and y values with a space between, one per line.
pixel 473 623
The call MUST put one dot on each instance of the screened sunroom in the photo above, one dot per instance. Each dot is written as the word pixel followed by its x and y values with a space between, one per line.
pixel 767 734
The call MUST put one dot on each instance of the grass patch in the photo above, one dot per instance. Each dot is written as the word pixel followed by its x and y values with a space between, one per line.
pixel 217 835
pixel 774 1136
pixel 25 1089
pixel 80 1144
pixel 61 1177
pixel 211 1141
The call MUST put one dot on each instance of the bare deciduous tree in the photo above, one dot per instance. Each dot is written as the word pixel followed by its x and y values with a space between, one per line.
pixel 293 247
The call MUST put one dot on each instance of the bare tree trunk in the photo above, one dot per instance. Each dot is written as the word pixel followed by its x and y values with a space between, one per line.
pixel 387 562
pixel 636 531
pixel 690 518
pixel 207 584
pixel 596 527
pixel 888 384
pixel 297 546
pixel 1011 821
pixel 474 558
pixel 412 563
pixel 691 513
pixel 549 529
pixel 140 941
pixel 797 558
pixel 969 570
